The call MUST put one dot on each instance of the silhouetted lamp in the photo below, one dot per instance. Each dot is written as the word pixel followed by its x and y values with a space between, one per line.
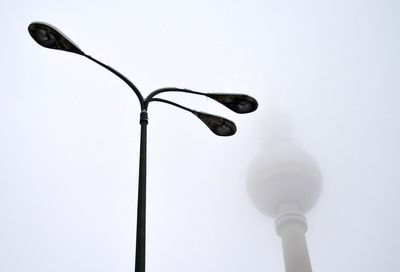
pixel 50 37
pixel 239 103
pixel 219 125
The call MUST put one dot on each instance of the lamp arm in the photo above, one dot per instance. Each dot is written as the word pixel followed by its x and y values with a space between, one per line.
pixel 168 89
pixel 121 76
pixel 170 103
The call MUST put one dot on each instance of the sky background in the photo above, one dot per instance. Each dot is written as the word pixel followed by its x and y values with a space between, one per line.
pixel 69 133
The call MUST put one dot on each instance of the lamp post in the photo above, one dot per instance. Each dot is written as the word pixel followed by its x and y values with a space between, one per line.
pixel 50 37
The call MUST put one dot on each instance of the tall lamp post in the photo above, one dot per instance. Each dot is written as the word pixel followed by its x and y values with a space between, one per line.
pixel 50 37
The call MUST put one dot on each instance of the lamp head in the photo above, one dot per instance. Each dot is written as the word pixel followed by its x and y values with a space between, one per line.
pixel 239 103
pixel 50 37
pixel 218 125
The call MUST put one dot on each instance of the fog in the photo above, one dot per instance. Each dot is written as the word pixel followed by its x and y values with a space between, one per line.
pixel 69 133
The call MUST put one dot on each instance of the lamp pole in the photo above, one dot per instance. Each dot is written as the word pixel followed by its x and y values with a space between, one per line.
pixel 50 37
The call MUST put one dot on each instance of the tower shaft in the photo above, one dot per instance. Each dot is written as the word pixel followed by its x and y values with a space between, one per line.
pixel 295 250
pixel 291 226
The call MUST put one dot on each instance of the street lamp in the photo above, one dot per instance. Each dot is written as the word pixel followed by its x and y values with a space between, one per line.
pixel 50 37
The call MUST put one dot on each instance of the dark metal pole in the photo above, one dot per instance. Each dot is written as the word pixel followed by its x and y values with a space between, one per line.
pixel 140 259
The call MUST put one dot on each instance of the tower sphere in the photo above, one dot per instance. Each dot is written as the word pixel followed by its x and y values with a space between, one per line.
pixel 282 171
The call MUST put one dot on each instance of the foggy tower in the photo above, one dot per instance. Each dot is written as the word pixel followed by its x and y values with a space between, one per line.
pixel 284 182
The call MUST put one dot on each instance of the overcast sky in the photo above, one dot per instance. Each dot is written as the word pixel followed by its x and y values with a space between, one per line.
pixel 69 133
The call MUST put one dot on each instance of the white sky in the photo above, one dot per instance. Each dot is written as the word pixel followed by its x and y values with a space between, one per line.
pixel 69 133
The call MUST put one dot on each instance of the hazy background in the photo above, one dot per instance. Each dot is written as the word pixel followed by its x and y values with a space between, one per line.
pixel 69 133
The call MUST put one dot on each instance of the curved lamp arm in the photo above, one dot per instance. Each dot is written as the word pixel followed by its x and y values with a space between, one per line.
pixel 50 37
pixel 239 103
pixel 217 124
pixel 170 103
pixel 171 89
pixel 121 76
pixel 150 98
